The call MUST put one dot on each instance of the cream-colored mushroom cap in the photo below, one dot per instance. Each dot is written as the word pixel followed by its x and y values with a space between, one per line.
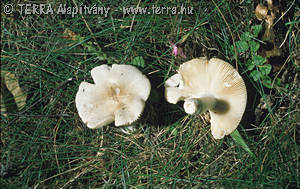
pixel 212 85
pixel 118 95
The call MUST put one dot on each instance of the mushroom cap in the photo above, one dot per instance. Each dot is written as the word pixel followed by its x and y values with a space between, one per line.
pixel 119 95
pixel 202 77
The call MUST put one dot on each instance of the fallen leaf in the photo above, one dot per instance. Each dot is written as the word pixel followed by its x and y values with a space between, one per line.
pixel 269 49
pixel 261 12
pixel 70 35
pixel 12 96
pixel 267 14
pixel 138 61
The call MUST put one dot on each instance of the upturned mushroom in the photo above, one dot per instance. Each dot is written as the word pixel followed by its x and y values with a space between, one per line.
pixel 212 85
pixel 118 96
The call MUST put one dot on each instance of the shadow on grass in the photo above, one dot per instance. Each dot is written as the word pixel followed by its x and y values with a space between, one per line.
pixel 158 111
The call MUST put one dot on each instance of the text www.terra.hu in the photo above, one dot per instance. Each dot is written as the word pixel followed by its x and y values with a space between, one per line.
pixel 157 10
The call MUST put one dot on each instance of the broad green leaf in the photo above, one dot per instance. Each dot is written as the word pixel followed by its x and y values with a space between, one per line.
pixel 266 81
pixel 250 66
pixel 265 69
pixel 242 46
pixel 278 81
pixel 268 68
pixel 246 36
pixel 239 140
pixel 254 46
pixel 255 75
pixel 258 60
pixel 138 61
pixel 256 29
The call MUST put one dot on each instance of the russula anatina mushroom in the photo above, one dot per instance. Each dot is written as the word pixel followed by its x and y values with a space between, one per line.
pixel 212 85
pixel 118 95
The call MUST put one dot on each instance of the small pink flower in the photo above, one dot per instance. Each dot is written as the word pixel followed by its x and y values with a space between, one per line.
pixel 177 51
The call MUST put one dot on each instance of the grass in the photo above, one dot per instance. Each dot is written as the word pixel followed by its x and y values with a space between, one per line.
pixel 46 145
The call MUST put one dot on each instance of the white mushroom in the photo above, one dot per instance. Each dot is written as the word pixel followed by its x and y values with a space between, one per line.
pixel 212 85
pixel 118 95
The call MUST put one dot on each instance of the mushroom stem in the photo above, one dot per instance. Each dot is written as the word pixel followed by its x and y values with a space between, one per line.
pixel 199 105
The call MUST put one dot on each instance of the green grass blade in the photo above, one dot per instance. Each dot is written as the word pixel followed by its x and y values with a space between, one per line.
pixel 239 139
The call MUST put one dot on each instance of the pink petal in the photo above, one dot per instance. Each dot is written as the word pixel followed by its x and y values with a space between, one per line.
pixel 175 50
